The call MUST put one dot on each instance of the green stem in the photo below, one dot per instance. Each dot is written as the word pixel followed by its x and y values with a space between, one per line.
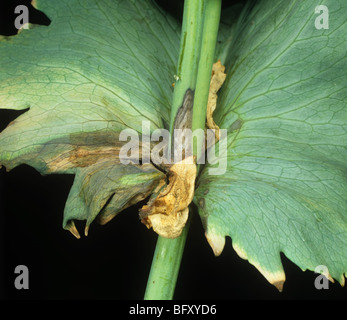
pixel 168 253
pixel 198 41
pixel 207 55
pixel 188 60
pixel 165 267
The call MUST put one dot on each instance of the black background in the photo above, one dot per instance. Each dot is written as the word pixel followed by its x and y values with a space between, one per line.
pixel 113 262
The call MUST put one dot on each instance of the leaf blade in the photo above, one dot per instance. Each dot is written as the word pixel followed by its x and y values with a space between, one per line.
pixel 283 104
pixel 83 80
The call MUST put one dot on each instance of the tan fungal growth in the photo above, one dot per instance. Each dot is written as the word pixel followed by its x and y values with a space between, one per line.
pixel 217 79
pixel 167 213
pixel 168 226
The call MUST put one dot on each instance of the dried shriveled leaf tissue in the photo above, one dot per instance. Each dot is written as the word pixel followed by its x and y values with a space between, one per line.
pixel 168 212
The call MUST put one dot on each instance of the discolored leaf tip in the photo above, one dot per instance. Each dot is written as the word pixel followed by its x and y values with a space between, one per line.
pixel 216 242
pixel 276 278
pixel 6 168
pixel 72 228
pixel 330 278
pixel 241 253
pixel 86 230
pixel 279 285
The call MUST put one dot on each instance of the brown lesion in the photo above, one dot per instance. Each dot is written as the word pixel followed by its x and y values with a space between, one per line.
pixel 85 149
pixel 82 156
pixel 167 211
pixel 183 120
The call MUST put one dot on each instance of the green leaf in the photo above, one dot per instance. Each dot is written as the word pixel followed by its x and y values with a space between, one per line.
pixel 284 105
pixel 100 67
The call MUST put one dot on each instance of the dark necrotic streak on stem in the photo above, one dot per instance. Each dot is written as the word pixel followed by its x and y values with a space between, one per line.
pixel 184 120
